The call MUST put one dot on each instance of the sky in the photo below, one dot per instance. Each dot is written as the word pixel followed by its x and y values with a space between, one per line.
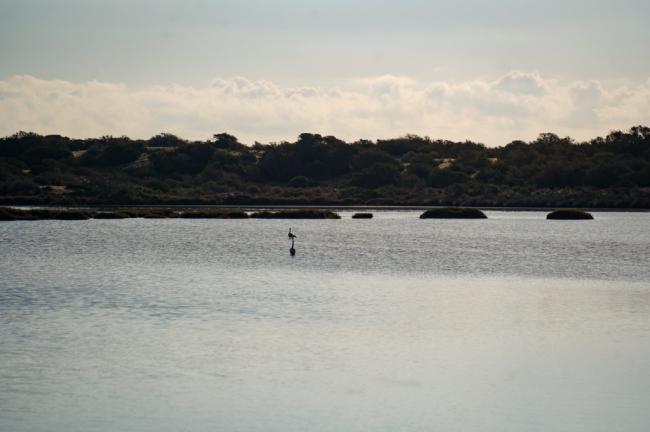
pixel 489 71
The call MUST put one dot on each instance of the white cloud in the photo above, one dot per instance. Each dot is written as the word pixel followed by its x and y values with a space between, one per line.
pixel 518 82
pixel 516 106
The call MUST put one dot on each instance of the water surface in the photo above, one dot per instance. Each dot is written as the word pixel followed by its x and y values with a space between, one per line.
pixel 395 323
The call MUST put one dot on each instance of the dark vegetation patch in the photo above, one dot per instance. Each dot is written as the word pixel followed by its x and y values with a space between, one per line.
pixel 569 214
pixel 9 214
pixel 453 213
pixel 214 214
pixel 155 213
pixel 111 215
pixel 550 171
pixel 72 215
pixel 296 214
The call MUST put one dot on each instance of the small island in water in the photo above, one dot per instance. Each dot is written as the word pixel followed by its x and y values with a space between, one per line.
pixel 31 214
pixel 569 214
pixel 13 214
pixel 453 213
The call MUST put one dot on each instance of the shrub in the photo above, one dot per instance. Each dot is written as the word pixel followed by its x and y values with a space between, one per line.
pixel 215 214
pixel 11 214
pixel 71 215
pixel 300 182
pixel 453 213
pixel 377 175
pixel 296 214
pixel 111 152
pixel 569 214
pixel 111 215
pixel 42 214
pixel 156 213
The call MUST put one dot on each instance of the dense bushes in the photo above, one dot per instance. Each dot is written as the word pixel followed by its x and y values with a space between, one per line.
pixel 214 214
pixel 613 171
pixel 187 159
pixel 569 214
pixel 10 214
pixel 296 214
pixel 110 152
pixel 453 213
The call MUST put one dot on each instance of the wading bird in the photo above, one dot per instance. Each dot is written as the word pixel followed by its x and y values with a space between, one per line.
pixel 292 237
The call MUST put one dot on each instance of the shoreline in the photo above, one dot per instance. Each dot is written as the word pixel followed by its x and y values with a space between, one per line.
pixel 308 207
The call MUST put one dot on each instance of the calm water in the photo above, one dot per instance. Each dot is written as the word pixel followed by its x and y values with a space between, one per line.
pixel 513 323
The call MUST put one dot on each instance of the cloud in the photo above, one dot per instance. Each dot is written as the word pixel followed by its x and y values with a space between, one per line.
pixel 518 105
pixel 518 82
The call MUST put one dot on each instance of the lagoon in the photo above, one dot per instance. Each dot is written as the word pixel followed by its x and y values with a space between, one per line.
pixel 392 323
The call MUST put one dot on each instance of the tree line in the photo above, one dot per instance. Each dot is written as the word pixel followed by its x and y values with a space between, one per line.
pixel 551 171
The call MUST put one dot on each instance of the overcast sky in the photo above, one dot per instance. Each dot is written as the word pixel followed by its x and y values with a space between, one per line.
pixel 490 71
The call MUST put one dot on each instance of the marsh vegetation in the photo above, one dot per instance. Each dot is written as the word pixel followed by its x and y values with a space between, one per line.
pixel 569 214
pixel 453 213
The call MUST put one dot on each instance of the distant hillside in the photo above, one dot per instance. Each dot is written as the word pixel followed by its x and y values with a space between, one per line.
pixel 549 172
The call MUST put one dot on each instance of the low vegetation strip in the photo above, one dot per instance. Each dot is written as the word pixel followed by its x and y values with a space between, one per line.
pixel 453 213
pixel 11 214
pixel 569 214
pixel 110 215
pixel 296 214
pixel 214 214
